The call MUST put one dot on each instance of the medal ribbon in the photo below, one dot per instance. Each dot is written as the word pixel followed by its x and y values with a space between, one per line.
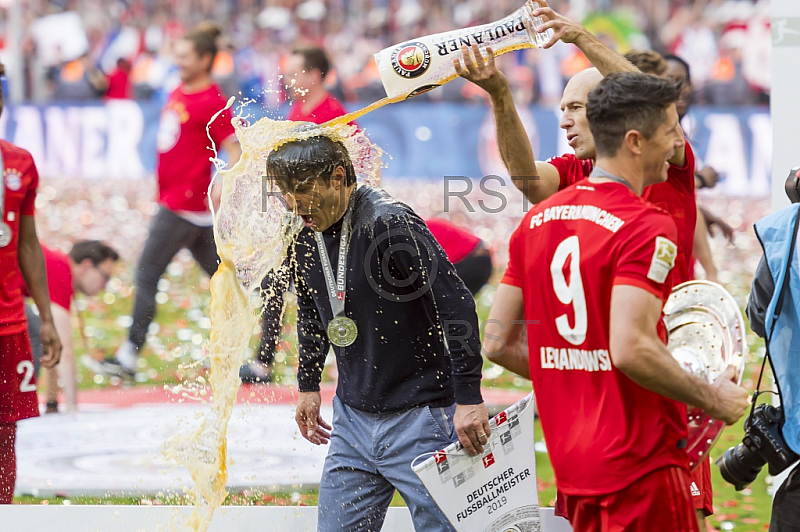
pixel 336 289
pixel 599 172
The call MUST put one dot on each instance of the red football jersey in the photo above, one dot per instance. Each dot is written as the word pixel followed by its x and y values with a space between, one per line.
pixel 328 109
pixel 675 195
pixel 20 180
pixel 184 170
pixel 603 430
pixel 59 278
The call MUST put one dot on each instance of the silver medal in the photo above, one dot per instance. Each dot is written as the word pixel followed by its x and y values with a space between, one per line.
pixel 342 331
pixel 5 234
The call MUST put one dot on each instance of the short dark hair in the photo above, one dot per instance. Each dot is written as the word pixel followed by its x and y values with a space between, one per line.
pixel 648 61
pixel 314 58
pixel 684 64
pixel 624 101
pixel 300 160
pixel 93 250
pixel 204 39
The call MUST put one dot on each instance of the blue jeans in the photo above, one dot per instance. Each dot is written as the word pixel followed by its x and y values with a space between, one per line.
pixel 370 456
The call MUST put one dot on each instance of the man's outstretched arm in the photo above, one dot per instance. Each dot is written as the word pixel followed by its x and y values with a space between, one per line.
pixel 536 180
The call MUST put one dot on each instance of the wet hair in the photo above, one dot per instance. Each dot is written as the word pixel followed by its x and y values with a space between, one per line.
pixel 684 64
pixel 204 39
pixel 299 161
pixel 314 58
pixel 93 250
pixel 648 61
pixel 625 101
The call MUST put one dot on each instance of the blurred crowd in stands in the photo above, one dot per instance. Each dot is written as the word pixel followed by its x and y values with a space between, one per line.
pixel 83 50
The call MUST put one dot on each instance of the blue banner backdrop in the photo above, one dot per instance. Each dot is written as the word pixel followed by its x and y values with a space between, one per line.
pixel 117 139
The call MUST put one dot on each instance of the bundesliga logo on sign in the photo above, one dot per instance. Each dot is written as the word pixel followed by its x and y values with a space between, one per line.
pixel 411 60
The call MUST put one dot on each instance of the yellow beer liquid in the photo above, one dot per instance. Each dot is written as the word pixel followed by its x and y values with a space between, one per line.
pixel 253 231
pixel 252 237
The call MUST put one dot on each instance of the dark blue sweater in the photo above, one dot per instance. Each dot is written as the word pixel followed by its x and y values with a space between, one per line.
pixel 405 297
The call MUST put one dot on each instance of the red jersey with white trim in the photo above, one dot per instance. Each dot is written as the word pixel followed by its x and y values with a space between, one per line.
pixel 184 170
pixel 328 109
pixel 675 195
pixel 20 181
pixel 603 430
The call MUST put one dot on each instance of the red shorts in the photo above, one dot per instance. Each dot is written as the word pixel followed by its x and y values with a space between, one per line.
pixel 18 398
pixel 701 489
pixel 657 502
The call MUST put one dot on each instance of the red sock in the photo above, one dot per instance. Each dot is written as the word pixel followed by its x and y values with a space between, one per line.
pixel 8 461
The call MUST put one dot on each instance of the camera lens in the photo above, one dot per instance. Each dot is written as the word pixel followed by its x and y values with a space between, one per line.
pixel 740 466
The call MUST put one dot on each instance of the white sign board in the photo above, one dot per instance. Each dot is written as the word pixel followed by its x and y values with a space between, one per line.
pixel 495 491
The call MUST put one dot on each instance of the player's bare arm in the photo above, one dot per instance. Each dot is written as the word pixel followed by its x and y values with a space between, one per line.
pixel 637 351
pixel 503 341
pixel 31 264
pixel 536 179
pixel 569 31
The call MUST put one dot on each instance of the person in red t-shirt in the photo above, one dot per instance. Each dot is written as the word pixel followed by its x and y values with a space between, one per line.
pixel 304 76
pixel 589 271
pixel 119 81
pixel 676 195
pixel 20 254
pixel 183 219
pixel 86 269
pixel 467 252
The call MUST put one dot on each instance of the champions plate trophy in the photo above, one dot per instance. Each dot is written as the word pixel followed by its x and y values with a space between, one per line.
pixel 706 335
pixel 413 67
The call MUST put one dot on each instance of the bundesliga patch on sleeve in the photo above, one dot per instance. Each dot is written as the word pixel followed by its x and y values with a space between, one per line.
pixel 663 259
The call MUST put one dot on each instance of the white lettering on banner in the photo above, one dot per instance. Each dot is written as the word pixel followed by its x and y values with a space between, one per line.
pixel 29 130
pixel 726 154
pixel 63 142
pixel 95 124
pixel 492 490
pixel 761 154
pixel 564 359
pixel 126 126
pixel 496 490
pixel 95 142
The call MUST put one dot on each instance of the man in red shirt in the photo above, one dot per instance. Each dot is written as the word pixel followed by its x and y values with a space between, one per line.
pixel 119 81
pixel 20 253
pixel 86 269
pixel 183 219
pixel 589 271
pixel 676 195
pixel 304 77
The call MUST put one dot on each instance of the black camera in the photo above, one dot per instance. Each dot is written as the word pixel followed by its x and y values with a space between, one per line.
pixel 792 185
pixel 762 444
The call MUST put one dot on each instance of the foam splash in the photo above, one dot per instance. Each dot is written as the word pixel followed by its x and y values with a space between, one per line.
pixel 253 230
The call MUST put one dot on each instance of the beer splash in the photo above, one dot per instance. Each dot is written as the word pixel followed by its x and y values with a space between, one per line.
pixel 253 230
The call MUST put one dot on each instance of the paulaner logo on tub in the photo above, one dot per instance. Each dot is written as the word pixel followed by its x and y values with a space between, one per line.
pixel 411 60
